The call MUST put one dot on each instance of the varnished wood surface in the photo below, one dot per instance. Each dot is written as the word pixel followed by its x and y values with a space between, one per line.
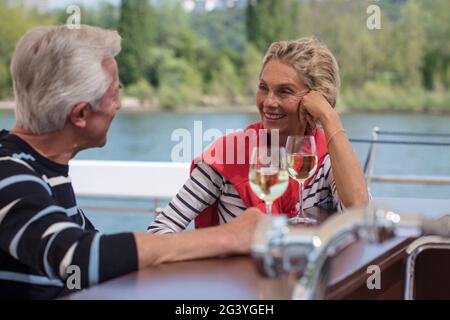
pixel 237 277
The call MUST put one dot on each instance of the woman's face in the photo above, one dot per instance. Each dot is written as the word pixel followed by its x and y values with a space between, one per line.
pixel 279 93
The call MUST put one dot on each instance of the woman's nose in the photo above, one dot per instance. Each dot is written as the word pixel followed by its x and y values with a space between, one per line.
pixel 271 101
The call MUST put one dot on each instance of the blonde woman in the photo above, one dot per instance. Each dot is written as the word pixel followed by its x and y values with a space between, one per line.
pixel 297 88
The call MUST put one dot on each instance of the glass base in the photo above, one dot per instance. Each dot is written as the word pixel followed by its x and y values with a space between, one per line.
pixel 302 220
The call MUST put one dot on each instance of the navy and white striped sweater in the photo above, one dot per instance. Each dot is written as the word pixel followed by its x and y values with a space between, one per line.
pixel 42 231
pixel 205 186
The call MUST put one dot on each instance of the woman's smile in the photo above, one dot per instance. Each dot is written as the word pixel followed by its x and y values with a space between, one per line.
pixel 278 99
pixel 274 116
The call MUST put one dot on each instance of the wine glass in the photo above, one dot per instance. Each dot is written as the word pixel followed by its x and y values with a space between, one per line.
pixel 268 174
pixel 302 163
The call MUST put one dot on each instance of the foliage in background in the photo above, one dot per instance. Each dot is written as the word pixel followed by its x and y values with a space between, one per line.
pixel 142 91
pixel 14 22
pixel 268 21
pixel 176 58
pixel 137 28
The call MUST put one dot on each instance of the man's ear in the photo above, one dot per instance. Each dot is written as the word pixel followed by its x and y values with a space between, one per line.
pixel 79 114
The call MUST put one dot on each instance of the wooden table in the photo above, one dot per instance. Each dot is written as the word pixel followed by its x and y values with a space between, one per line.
pixel 237 278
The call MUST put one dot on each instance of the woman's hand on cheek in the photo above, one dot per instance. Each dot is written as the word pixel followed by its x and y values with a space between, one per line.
pixel 306 120
pixel 315 105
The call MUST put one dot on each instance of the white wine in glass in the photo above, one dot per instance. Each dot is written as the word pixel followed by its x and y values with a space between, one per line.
pixel 302 163
pixel 301 166
pixel 268 175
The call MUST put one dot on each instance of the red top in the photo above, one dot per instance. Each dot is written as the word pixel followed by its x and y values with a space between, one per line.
pixel 237 173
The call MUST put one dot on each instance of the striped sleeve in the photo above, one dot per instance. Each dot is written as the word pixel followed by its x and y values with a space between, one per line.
pixel 337 203
pixel 201 190
pixel 40 234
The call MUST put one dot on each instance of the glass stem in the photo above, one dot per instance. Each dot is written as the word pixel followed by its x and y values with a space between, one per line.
pixel 269 208
pixel 300 199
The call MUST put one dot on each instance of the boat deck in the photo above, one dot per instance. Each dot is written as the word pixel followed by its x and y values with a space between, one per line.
pixel 237 277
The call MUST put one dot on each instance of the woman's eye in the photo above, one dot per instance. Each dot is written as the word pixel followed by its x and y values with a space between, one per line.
pixel 286 91
pixel 262 87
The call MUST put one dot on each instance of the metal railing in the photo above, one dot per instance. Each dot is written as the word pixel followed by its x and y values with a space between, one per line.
pixel 412 253
pixel 409 179
pixel 143 180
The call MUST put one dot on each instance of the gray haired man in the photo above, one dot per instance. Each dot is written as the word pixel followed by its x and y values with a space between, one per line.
pixel 66 86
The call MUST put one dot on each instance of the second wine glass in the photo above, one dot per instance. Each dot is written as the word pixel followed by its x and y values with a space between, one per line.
pixel 302 163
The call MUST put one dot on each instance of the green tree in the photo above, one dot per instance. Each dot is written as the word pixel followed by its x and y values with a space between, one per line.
pixel 225 82
pixel 175 32
pixel 251 67
pixel 136 26
pixel 221 28
pixel 5 86
pixel 104 15
pixel 178 82
pixel 270 20
pixel 436 66
pixel 15 21
pixel 411 41
pixel 141 90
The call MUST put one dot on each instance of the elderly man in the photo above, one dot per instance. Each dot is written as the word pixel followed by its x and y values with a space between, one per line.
pixel 66 87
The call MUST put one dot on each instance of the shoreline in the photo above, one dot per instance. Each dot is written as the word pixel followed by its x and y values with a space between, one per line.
pixel 9 106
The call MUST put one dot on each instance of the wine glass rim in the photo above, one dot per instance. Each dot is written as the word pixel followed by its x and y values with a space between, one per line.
pixel 277 155
pixel 300 135
pixel 277 149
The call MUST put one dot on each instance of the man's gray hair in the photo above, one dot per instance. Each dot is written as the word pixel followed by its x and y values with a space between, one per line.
pixel 54 68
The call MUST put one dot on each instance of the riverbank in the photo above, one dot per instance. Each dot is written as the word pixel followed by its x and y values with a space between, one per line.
pixel 376 98
pixel 7 105
pixel 367 100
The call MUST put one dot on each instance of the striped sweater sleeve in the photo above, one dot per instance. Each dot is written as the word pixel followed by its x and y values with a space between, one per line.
pixel 201 190
pixel 40 234
pixel 337 203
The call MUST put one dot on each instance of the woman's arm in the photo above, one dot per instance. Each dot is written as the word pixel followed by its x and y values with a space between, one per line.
pixel 348 174
pixel 201 190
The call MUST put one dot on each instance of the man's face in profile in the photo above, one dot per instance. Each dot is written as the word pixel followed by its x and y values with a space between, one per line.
pixel 99 121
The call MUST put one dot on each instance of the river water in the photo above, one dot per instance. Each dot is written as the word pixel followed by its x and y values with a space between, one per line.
pixel 141 136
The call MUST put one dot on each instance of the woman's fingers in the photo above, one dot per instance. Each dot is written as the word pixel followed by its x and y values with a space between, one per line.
pixel 307 109
pixel 310 121
pixel 316 104
pixel 305 117
pixel 301 111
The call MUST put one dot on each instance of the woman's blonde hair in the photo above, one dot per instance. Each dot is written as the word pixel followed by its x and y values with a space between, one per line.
pixel 54 68
pixel 313 61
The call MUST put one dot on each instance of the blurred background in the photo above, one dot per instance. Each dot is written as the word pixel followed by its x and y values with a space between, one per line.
pixel 208 53
pixel 186 61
